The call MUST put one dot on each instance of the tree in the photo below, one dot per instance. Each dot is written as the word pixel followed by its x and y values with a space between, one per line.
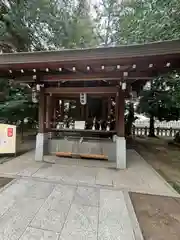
pixel 18 105
pixel 147 21
pixel 73 26
pixel 161 100
pixel 129 118
pixel 106 14
pixel 45 24
pixel 37 25
pixel 141 21
pixel 18 24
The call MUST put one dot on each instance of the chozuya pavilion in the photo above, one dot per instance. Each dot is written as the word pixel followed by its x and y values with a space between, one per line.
pixel 81 94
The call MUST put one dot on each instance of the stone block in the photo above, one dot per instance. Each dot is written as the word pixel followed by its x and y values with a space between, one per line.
pixel 120 153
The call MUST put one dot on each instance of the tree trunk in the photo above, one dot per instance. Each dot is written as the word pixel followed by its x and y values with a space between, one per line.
pixel 151 127
pixel 177 137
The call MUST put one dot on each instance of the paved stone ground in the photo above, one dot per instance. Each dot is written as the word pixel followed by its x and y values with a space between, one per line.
pixel 74 199
pixel 138 177
pixel 32 210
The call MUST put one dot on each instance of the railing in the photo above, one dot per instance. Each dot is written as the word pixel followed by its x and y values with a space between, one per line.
pixel 159 132
pixel 163 124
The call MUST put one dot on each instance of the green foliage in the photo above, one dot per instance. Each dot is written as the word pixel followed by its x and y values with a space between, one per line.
pixel 45 24
pixel 147 21
pixel 15 34
pixel 141 21
pixel 39 25
pixel 18 105
pixel 55 24
pixel 137 21
pixel 106 15
pixel 161 100
pixel 78 26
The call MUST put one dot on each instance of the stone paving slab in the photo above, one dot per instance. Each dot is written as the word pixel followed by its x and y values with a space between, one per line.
pixel 114 221
pixel 10 195
pixel 30 170
pixel 39 190
pixel 88 204
pixel 68 174
pixel 15 221
pixel 104 177
pixel 81 223
pixel 39 234
pixel 138 177
pixel 19 204
pixel 54 211
pixel 87 196
pixel 141 177
pixel 42 210
pixel 23 189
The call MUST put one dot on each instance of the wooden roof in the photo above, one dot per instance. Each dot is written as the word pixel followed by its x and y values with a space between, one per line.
pixel 110 64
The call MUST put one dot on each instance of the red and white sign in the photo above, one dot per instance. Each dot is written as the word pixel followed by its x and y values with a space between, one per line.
pixel 7 138
pixel 10 132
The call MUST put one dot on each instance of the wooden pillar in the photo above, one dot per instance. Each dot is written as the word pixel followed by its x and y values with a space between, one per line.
pixel 109 106
pixel 48 111
pixel 41 138
pixel 57 109
pixel 86 111
pixel 62 110
pixel 104 109
pixel 120 106
pixel 54 113
pixel 78 110
pixel 117 110
pixel 41 111
pixel 120 139
pixel 82 112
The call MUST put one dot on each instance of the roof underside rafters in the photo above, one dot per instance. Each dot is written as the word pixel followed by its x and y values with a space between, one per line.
pixel 112 64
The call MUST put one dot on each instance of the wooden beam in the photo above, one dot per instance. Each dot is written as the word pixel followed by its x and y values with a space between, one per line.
pixel 75 96
pixel 106 76
pixel 78 90
pixel 84 76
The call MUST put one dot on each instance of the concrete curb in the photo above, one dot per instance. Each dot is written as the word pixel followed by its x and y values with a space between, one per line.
pixel 135 224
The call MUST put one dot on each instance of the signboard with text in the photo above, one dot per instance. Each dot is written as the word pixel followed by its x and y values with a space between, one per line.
pixel 7 138
pixel 79 124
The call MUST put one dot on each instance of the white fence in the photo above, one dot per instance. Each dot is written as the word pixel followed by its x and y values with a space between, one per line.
pixel 159 132
pixel 158 124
